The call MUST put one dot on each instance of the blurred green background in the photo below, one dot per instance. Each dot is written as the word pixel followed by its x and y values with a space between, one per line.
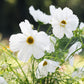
pixel 12 12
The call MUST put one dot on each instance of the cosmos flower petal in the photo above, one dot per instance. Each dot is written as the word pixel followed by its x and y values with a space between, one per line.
pixel 17 41
pixel 25 27
pixel 58 32
pixel 41 73
pixel 39 15
pixel 51 48
pixel 81 26
pixel 67 11
pixel 38 54
pixel 73 48
pixel 3 81
pixel 72 22
pixel 78 73
pixel 52 66
pixel 52 9
pixel 44 40
pixel 71 60
pixel 24 54
pixel 68 33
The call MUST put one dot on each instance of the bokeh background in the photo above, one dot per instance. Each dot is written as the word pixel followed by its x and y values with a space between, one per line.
pixel 12 12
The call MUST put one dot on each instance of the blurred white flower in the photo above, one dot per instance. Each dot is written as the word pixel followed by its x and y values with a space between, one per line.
pixel 2 81
pixel 29 42
pixel 46 66
pixel 62 21
pixel 81 26
pixel 78 73
pixel 39 16
pixel 72 49
pixel 51 48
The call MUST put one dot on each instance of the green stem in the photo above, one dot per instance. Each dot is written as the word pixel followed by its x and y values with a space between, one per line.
pixel 33 69
pixel 21 70
pixel 15 74
pixel 8 52
pixel 12 69
pixel 38 27
pixel 48 29
pixel 68 44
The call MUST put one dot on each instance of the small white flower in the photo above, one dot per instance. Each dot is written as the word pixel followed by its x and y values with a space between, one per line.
pixel 51 48
pixel 2 81
pixel 81 26
pixel 46 66
pixel 29 42
pixel 78 73
pixel 62 21
pixel 39 16
pixel 72 49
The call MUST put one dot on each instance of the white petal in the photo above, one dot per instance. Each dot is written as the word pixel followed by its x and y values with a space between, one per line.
pixel 51 48
pixel 25 27
pixel 72 22
pixel 39 15
pixel 67 12
pixel 17 41
pixel 68 33
pixel 71 60
pixel 52 9
pixel 2 81
pixel 43 40
pixel 24 54
pixel 74 47
pixel 67 56
pixel 81 26
pixel 41 73
pixel 38 53
pixel 74 74
pixel 52 66
pixel 58 32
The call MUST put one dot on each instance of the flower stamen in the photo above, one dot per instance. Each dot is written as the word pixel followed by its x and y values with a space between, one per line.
pixel 63 23
pixel 30 40
pixel 45 63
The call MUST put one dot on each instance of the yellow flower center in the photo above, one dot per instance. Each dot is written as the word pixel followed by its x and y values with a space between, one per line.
pixel 45 63
pixel 30 40
pixel 63 23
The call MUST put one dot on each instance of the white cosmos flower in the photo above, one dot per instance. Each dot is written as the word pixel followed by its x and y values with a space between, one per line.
pixel 29 42
pixel 62 21
pixel 2 81
pixel 81 26
pixel 46 66
pixel 72 49
pixel 78 73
